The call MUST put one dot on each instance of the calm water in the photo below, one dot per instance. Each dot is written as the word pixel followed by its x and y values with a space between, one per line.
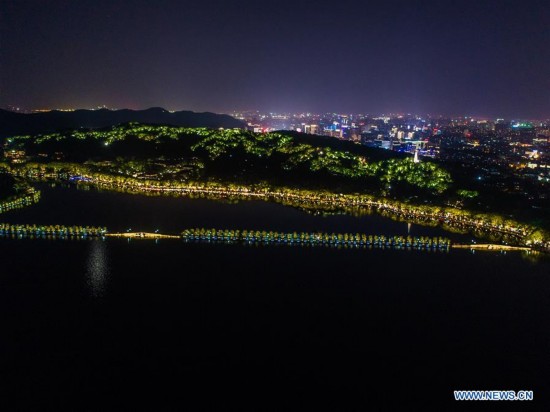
pixel 117 325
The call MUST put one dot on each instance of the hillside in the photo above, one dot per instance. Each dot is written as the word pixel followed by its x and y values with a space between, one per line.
pixel 18 123
pixel 237 155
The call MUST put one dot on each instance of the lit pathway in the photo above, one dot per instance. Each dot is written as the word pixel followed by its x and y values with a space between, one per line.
pixel 142 235
pixel 489 246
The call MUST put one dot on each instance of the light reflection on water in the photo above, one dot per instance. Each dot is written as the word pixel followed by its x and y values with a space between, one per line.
pixel 97 272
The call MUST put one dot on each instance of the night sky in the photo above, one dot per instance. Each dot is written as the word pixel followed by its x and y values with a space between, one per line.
pixel 485 58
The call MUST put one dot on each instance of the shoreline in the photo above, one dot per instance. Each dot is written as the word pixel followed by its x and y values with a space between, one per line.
pixel 492 247
pixel 453 220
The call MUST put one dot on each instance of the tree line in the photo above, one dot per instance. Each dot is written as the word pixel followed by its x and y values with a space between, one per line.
pixel 56 231
pixel 31 196
pixel 314 238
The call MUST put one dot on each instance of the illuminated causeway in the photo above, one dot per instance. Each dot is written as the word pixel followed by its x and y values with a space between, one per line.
pixel 141 235
pixel 230 236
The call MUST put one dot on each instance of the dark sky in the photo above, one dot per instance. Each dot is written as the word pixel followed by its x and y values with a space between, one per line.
pixel 446 57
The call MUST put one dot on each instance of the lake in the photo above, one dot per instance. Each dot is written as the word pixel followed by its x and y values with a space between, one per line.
pixel 115 324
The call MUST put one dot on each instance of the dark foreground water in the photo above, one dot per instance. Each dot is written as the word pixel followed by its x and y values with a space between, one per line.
pixel 118 325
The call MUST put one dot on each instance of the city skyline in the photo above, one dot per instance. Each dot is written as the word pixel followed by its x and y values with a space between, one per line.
pixel 289 114
pixel 485 59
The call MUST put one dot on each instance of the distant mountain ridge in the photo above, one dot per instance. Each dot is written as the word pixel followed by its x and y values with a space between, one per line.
pixel 18 123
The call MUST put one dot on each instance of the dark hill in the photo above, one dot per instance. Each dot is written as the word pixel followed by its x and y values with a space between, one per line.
pixel 374 154
pixel 17 123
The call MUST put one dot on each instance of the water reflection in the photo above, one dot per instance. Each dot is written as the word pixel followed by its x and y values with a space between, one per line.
pixel 97 268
